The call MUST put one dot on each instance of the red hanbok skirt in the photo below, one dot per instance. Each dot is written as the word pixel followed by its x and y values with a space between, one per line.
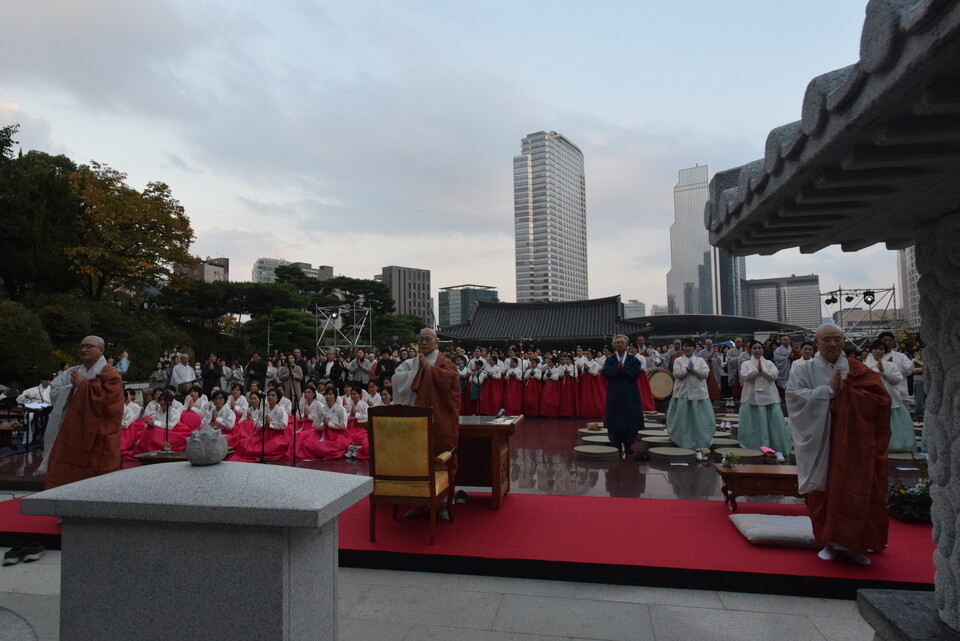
pixel 531 397
pixel 513 397
pixel 491 397
pixel 568 396
pixel 646 394
pixel 151 439
pixel 593 398
pixel 550 399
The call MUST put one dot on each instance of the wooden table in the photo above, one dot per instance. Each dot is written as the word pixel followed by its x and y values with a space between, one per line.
pixel 756 480
pixel 159 456
pixel 483 453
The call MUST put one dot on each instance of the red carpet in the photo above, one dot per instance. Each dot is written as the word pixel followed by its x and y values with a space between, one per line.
pixel 614 539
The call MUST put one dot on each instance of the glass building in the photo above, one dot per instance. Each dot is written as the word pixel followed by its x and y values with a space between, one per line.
pixel 457 302
pixel 550 219
pixel 789 299
pixel 702 279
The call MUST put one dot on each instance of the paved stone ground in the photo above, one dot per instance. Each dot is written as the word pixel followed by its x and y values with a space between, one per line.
pixel 383 605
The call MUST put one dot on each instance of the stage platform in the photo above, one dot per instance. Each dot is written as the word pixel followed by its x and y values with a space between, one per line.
pixel 622 522
pixel 651 542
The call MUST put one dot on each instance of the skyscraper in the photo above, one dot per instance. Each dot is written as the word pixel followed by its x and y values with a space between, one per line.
pixel 457 302
pixel 702 279
pixel 410 290
pixel 550 219
pixel 909 296
pixel 788 299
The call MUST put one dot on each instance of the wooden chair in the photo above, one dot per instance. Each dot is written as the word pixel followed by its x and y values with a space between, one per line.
pixel 403 469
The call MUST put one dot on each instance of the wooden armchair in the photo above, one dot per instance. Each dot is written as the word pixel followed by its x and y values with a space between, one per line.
pixel 403 469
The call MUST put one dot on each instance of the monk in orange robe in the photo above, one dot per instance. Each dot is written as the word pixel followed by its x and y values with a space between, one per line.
pixel 840 419
pixel 88 440
pixel 431 380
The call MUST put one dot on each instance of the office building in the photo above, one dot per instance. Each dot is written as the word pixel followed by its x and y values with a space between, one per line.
pixel 410 289
pixel 793 300
pixel 702 279
pixel 211 270
pixel 550 220
pixel 634 309
pixel 264 270
pixel 457 302
pixel 659 310
pixel 908 298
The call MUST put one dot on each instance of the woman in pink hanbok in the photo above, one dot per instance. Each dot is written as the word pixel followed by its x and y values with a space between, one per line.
pixel 271 436
pixel 326 436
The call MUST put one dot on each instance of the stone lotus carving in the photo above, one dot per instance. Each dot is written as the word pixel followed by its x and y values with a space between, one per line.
pixel 206 446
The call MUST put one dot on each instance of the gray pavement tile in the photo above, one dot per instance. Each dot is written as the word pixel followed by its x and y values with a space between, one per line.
pixel 506 585
pixel 349 594
pixel 682 624
pixel 570 617
pixel 441 633
pixel 476 610
pixel 31 578
pixel 843 629
pixel 649 595
pixel 42 611
pixel 779 604
pixel 373 576
pixel 362 630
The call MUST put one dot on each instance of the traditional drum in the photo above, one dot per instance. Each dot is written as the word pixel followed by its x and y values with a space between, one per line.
pixel 661 384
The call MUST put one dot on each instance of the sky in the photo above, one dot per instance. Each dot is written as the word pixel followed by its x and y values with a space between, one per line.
pixel 370 133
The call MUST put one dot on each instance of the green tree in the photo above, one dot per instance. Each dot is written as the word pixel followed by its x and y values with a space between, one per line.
pixel 38 208
pixel 288 328
pixel 127 239
pixel 27 352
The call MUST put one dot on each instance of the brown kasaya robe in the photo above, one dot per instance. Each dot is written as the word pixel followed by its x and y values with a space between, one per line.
pixel 438 387
pixel 852 511
pixel 88 443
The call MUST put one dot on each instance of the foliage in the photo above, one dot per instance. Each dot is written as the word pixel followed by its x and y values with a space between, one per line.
pixel 127 238
pixel 397 329
pixel 26 350
pixel 39 211
pixel 910 503
pixel 288 328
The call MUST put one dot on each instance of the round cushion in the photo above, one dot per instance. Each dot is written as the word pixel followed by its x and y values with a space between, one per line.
pixel 672 455
pixel 908 458
pixel 595 439
pixel 656 441
pixel 661 384
pixel 724 442
pixel 585 431
pixel 596 452
pixel 643 433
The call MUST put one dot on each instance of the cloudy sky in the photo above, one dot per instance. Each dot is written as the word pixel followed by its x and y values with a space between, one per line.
pixel 368 133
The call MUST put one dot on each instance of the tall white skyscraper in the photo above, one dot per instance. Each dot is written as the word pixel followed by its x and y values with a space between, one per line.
pixel 908 297
pixel 550 219
pixel 702 279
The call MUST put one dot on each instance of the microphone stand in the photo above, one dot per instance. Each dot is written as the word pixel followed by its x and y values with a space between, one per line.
pixel 166 429
pixel 263 430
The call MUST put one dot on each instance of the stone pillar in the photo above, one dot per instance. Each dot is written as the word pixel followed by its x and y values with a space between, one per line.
pixel 173 551
pixel 938 261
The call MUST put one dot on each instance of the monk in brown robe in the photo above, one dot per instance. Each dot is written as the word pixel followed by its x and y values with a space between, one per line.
pixel 88 441
pixel 840 417
pixel 431 380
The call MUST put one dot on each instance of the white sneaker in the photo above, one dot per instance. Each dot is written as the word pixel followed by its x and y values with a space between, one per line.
pixel 699 456
pixel 352 451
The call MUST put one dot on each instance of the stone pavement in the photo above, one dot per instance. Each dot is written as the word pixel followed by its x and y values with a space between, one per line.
pixel 382 605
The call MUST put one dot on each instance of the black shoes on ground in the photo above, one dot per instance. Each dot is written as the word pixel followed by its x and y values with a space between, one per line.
pixel 27 553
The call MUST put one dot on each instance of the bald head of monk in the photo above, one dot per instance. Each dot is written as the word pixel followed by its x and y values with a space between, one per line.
pixel 91 349
pixel 830 341
pixel 427 341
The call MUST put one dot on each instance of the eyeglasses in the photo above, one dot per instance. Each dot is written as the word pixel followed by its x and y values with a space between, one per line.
pixel 89 346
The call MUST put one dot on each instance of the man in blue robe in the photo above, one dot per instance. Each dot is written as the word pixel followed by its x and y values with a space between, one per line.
pixel 623 417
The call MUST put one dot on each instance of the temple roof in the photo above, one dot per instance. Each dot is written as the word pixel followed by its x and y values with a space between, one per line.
pixel 598 318
pixel 876 151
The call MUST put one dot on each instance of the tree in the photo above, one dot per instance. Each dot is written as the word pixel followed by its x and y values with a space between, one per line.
pixel 38 209
pixel 127 238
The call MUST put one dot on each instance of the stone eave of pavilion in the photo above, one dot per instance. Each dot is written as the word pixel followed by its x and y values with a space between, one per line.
pixel 875 154
pixel 711 325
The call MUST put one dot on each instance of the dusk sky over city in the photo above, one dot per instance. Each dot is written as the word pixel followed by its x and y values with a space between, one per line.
pixel 366 134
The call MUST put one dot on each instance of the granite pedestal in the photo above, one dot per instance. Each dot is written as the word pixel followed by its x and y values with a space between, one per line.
pixel 229 551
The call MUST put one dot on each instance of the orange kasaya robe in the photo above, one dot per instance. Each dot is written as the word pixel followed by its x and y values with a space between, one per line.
pixel 88 443
pixel 439 387
pixel 852 511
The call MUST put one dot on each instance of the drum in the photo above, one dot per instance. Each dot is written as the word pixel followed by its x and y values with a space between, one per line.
pixel 661 384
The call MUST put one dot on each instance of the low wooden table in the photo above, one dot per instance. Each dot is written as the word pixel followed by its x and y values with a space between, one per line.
pixel 483 453
pixel 159 456
pixel 756 480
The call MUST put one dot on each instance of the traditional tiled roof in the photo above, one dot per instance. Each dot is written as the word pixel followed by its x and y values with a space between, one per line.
pixel 875 153
pixel 583 320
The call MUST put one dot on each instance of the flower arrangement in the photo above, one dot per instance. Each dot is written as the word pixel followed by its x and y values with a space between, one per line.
pixel 730 459
pixel 910 504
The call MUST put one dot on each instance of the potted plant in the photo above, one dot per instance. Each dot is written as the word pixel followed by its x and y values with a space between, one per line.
pixel 910 504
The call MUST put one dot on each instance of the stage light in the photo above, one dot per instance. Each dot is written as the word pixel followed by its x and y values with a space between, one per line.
pixel 831 301
pixel 335 315
pixel 869 297
pixel 849 299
